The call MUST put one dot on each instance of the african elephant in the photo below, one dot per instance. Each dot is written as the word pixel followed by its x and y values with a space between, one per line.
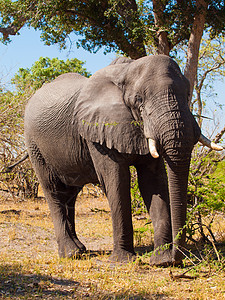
pixel 90 130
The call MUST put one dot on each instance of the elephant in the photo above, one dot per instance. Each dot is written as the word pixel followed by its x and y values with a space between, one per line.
pixel 82 130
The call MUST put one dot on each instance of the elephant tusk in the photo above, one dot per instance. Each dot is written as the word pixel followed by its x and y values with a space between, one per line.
pixel 208 143
pixel 152 148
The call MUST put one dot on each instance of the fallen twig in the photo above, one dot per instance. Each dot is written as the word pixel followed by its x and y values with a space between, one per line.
pixel 176 277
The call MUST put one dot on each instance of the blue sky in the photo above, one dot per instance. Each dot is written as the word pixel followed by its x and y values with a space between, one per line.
pixel 26 48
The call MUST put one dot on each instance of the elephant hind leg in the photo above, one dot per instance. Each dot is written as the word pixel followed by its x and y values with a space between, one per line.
pixel 61 200
pixel 62 207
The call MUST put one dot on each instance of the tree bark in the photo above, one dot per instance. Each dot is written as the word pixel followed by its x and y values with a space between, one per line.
pixel 194 45
pixel 199 102
pixel 163 46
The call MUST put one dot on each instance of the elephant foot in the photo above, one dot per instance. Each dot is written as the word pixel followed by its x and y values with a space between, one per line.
pixel 122 256
pixel 161 258
pixel 177 257
pixel 71 249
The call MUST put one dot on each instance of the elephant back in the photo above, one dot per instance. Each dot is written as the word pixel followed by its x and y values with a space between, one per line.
pixel 50 109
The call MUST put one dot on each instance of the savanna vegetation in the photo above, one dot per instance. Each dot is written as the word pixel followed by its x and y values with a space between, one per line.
pixel 192 33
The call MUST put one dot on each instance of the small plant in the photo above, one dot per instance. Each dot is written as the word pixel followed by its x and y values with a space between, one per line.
pixel 137 203
pixel 139 234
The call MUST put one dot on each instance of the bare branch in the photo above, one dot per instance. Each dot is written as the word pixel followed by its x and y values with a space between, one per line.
pixel 217 66
pixel 219 135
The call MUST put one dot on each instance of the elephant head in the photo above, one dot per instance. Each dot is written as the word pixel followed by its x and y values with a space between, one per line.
pixel 139 107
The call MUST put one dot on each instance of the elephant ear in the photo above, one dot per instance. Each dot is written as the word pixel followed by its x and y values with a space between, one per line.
pixel 102 117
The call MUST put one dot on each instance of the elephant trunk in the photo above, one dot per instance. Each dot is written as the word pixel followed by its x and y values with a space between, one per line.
pixel 177 141
pixel 173 131
pixel 178 181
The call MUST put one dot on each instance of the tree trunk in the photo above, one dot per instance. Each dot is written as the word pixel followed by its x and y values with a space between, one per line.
pixel 194 44
pixel 200 107
pixel 163 46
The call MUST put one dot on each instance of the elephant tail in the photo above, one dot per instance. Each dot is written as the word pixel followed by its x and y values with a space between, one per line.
pixel 11 167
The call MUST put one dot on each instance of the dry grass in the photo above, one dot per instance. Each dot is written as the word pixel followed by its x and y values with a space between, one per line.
pixel 30 267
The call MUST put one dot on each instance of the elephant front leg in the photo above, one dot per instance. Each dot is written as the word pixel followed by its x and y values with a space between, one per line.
pixel 114 176
pixel 118 194
pixel 153 187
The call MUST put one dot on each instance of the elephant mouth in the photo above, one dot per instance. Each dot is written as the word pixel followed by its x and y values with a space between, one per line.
pixel 202 139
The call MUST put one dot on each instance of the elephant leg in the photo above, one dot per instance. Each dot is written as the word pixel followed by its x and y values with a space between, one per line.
pixel 61 201
pixel 153 186
pixel 114 176
pixel 70 214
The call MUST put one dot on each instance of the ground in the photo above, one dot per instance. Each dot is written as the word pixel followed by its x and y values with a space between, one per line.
pixel 30 267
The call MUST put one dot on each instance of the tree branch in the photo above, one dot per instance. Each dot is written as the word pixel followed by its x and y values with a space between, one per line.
pixel 12 29
pixel 194 44
pixel 132 46
pixel 207 72
pixel 199 102
pixel 216 140
pixel 219 135
pixel 163 42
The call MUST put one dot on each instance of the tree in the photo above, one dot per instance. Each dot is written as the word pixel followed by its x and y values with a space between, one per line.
pixel 12 144
pixel 125 25
pixel 45 70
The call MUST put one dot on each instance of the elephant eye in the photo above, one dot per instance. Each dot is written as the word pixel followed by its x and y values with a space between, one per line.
pixel 138 100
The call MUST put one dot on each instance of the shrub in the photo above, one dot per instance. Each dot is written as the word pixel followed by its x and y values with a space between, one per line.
pixel 206 194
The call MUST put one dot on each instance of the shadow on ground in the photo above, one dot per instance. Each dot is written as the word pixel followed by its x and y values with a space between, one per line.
pixel 16 285
pixel 140 250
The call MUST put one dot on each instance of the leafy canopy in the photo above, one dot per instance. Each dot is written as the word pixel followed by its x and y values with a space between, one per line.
pixel 125 25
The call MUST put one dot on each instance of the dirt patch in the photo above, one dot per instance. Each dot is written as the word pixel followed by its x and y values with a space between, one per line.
pixel 27 226
pixel 26 238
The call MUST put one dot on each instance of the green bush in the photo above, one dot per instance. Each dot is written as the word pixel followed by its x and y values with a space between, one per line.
pixel 206 194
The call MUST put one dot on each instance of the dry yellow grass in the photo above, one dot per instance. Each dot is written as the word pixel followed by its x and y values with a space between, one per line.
pixel 30 267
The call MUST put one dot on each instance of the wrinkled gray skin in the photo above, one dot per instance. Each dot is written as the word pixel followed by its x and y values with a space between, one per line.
pixel 81 131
